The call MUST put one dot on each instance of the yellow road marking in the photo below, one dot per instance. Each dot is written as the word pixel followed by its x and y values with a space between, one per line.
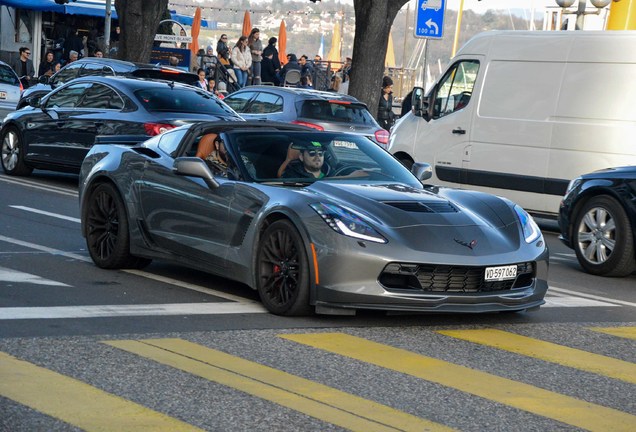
pixel 519 395
pixel 311 398
pixel 624 332
pixel 76 402
pixel 550 352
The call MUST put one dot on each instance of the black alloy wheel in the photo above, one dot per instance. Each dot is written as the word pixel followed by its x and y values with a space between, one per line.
pixel 107 235
pixel 12 154
pixel 603 238
pixel 283 270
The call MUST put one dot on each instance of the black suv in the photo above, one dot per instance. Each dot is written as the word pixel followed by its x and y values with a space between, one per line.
pixel 96 66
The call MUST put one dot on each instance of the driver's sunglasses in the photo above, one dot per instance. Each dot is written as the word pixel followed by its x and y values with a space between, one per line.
pixel 313 153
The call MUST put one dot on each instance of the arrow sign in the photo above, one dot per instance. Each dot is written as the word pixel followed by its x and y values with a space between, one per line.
pixel 429 19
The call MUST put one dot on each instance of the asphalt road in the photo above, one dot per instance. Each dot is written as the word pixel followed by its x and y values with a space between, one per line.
pixel 173 349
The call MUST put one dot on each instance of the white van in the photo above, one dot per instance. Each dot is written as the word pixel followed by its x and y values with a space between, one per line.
pixel 519 114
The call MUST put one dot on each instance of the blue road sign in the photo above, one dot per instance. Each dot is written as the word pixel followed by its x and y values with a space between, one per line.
pixel 429 19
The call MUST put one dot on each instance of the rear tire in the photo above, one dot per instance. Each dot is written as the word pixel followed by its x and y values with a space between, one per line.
pixel 603 238
pixel 282 270
pixel 13 154
pixel 107 235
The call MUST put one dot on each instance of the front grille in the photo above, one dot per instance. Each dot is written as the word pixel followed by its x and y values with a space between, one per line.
pixel 428 278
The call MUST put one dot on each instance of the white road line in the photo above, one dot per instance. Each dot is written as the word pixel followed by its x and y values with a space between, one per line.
pixel 9 275
pixel 57 312
pixel 45 213
pixel 33 185
pixel 572 301
pixel 558 290
pixel 139 273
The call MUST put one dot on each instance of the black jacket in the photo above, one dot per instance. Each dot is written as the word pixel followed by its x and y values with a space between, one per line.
pixel 268 72
pixel 385 112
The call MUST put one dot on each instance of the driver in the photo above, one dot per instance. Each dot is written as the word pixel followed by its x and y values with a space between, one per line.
pixel 310 162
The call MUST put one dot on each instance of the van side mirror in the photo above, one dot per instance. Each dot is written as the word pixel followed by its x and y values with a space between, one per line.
pixel 422 171
pixel 420 103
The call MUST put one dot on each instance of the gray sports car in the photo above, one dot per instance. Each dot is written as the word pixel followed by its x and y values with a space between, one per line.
pixel 314 221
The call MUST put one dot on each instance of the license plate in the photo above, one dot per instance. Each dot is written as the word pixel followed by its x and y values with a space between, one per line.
pixel 501 273
pixel 3 95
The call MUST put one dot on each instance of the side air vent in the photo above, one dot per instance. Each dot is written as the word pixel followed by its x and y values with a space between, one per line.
pixel 423 206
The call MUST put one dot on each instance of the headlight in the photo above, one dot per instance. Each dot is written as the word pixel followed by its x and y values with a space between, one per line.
pixel 347 223
pixel 531 230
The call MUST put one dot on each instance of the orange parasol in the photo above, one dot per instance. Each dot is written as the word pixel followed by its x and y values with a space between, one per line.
pixel 194 32
pixel 282 43
pixel 247 24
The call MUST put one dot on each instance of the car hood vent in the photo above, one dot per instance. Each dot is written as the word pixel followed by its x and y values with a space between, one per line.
pixel 423 206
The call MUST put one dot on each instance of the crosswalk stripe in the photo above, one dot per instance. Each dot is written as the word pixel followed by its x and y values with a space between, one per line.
pixel 76 402
pixel 8 275
pixel 311 398
pixel 624 332
pixel 506 391
pixel 550 352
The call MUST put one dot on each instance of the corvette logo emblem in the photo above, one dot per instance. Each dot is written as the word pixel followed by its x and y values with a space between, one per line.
pixel 470 245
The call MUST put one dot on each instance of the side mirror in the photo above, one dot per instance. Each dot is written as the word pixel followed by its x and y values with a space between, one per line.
pixel 195 167
pixel 422 171
pixel 34 101
pixel 43 79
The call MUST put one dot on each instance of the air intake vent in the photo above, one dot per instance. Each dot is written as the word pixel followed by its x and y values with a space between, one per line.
pixel 423 206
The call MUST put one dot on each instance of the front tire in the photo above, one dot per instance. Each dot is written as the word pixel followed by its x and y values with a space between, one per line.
pixel 107 235
pixel 13 154
pixel 282 270
pixel 603 238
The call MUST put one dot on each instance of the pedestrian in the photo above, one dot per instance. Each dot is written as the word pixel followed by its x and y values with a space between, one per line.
pixel 203 83
pixel 386 117
pixel 72 43
pixel 271 47
pixel 242 59
pixel 47 67
pixel 72 56
pixel 268 71
pixel 256 50
pixel 173 61
pixel 292 64
pixel 223 51
pixel 305 82
pixel 99 53
pixel 307 68
pixel 23 66
pixel 336 82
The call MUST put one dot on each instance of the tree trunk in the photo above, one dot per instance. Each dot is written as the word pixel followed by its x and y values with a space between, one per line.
pixel 373 24
pixel 138 20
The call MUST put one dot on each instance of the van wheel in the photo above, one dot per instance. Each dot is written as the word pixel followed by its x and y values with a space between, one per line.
pixel 13 154
pixel 603 238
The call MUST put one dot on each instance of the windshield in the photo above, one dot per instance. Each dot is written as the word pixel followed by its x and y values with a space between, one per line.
pixel 182 100
pixel 305 157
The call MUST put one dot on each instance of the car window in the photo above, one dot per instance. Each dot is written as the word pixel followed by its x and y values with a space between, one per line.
pixel 238 102
pixel 96 69
pixel 179 99
pixel 455 88
pixel 338 112
pixel 102 97
pixel 170 141
pixel 67 73
pixel 67 97
pixel 265 103
pixel 7 76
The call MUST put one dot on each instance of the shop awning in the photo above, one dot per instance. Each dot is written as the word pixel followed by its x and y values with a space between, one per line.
pixel 78 7
pixel 187 20
pixel 40 5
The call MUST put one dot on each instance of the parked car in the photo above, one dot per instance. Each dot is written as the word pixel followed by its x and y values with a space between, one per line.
pixel 319 110
pixel 366 235
pixel 94 66
pixel 597 219
pixel 10 89
pixel 57 132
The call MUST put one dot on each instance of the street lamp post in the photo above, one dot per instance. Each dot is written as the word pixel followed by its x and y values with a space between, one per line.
pixel 580 10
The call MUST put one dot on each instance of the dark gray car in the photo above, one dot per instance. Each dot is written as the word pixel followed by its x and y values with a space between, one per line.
pixel 328 111
pixel 364 234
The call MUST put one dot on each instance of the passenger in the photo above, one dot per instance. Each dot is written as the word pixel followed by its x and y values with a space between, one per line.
pixel 310 162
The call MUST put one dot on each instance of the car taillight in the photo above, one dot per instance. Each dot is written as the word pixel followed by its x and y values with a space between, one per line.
pixel 311 125
pixel 382 137
pixel 153 129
